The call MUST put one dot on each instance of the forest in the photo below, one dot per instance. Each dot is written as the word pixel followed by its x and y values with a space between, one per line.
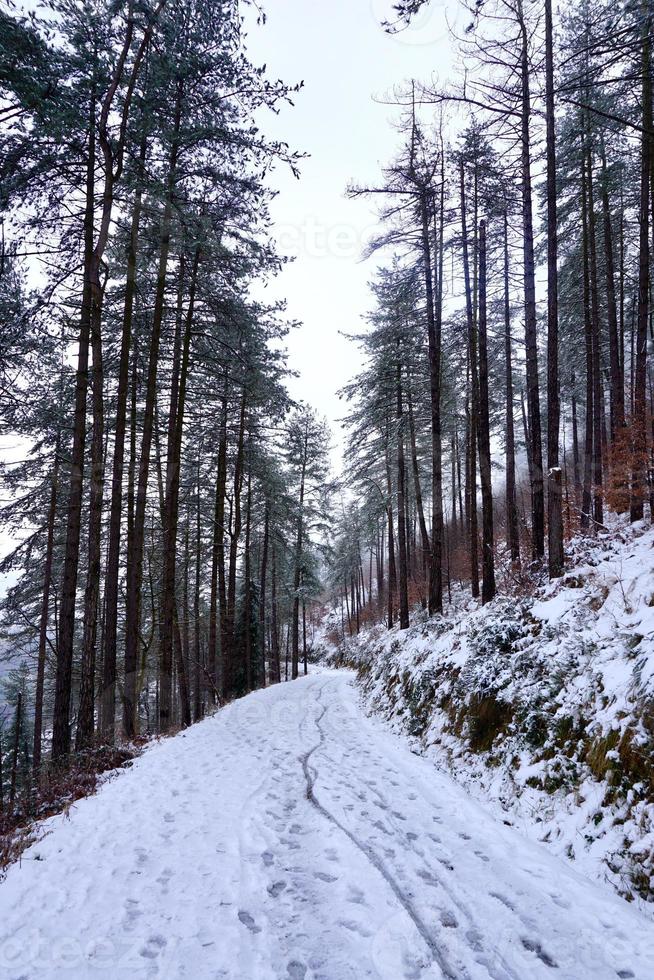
pixel 178 533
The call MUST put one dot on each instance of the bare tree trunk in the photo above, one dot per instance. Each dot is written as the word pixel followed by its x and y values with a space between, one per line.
pixel 435 601
pixel 108 701
pixel 401 517
pixel 392 573
pixel 512 530
pixel 135 553
pixel 424 535
pixel 554 494
pixel 531 325
pixel 615 369
pixel 61 714
pixel 229 621
pixel 274 631
pixel 45 612
pixel 639 424
pixel 218 593
pixel 14 757
pixel 597 375
pixel 171 518
pixel 488 559
pixel 197 705
pixel 247 592
pixel 85 717
pixel 586 500
pixel 261 681
pixel 473 413
pixel 297 574
pixel 575 439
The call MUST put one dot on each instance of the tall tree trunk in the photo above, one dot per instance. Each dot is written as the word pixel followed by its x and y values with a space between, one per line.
pixel 297 573
pixel 261 680
pixel 424 535
pixel 247 591
pixel 85 717
pixel 108 701
pixel 639 422
pixel 218 593
pixel 512 529
pixel 473 413
pixel 434 309
pixel 392 571
pixel 531 325
pixel 401 517
pixel 18 720
pixel 197 654
pixel 135 552
pixel 61 713
pixel 554 486
pixel 229 621
pixel 615 368
pixel 276 671
pixel 171 516
pixel 45 612
pixel 488 559
pixel 586 501
pixel 598 400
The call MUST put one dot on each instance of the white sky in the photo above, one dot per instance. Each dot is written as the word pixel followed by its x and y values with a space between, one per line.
pixel 346 60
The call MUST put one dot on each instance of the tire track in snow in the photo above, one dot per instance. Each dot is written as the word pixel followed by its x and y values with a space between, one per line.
pixel 501 970
pixel 436 952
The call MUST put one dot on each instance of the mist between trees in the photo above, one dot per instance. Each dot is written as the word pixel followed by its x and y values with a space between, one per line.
pixel 179 529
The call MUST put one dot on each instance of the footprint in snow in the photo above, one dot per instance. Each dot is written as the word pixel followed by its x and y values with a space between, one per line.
pixel 353 926
pixel 267 858
pixel 153 947
pixel 474 939
pixel 482 857
pixel 276 888
pixel 465 836
pixel 448 919
pixel 355 895
pixel 411 836
pixel 625 974
pixel 428 877
pixel 323 876
pixel 164 879
pixel 296 970
pixel 248 921
pixel 169 818
pixel 535 947
pixel 505 901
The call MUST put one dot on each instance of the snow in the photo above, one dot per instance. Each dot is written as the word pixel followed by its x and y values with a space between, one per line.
pixel 573 666
pixel 291 836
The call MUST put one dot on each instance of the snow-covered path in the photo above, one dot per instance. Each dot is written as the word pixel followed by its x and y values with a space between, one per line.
pixel 290 837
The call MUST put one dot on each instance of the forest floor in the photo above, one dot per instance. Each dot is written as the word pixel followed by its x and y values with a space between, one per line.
pixel 291 836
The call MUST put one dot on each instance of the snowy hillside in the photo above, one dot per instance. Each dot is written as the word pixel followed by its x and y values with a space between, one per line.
pixel 544 706
pixel 289 836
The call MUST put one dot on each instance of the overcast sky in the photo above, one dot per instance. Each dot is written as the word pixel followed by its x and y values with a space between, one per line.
pixel 346 61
